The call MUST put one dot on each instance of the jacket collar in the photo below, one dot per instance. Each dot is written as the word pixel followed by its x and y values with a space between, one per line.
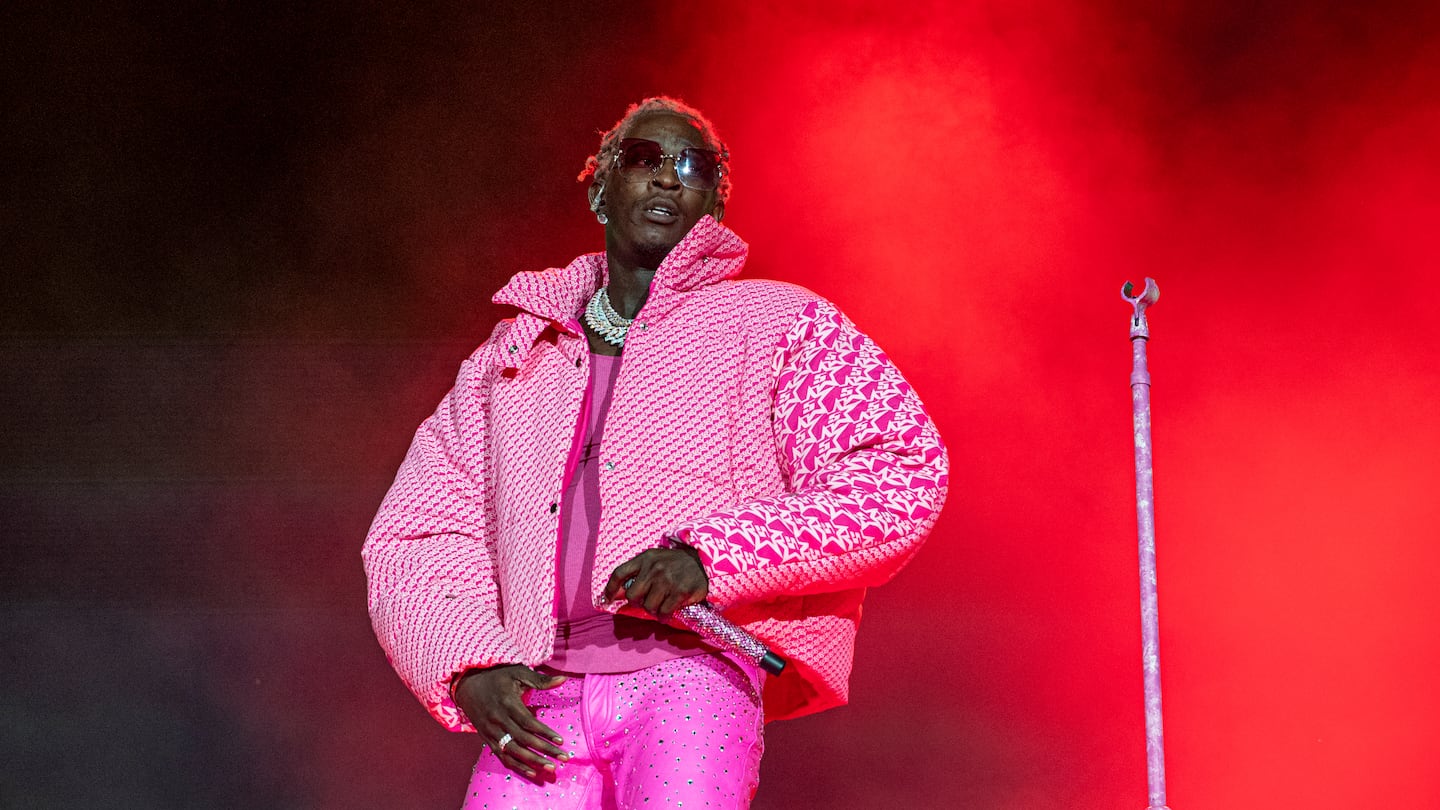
pixel 709 253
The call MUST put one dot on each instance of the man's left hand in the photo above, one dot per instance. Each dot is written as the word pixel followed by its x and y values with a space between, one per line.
pixel 665 580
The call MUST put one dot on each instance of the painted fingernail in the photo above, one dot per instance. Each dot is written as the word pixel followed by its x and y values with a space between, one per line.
pixel 550 766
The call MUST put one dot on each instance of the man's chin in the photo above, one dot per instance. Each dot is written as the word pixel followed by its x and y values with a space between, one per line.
pixel 653 253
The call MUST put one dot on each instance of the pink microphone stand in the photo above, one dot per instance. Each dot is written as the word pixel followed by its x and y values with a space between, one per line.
pixel 1145 509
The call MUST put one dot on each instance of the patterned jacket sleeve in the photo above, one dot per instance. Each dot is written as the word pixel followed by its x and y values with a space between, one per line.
pixel 429 555
pixel 866 468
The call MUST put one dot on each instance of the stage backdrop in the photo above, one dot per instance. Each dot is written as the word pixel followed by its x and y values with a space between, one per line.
pixel 246 248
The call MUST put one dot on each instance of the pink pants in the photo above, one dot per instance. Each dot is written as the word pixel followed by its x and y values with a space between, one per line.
pixel 683 733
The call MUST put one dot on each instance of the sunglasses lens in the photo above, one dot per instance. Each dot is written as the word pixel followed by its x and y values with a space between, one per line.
pixel 640 155
pixel 697 168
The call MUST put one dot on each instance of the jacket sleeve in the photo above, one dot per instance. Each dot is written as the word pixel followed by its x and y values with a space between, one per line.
pixel 866 471
pixel 429 556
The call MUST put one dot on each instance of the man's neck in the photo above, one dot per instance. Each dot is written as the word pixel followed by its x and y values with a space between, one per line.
pixel 629 288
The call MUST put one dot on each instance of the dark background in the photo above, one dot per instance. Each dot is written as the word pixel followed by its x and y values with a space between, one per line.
pixel 246 246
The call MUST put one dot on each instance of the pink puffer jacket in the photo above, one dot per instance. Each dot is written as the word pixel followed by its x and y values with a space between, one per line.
pixel 750 417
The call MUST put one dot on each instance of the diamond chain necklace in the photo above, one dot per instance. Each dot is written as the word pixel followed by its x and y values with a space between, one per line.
pixel 607 323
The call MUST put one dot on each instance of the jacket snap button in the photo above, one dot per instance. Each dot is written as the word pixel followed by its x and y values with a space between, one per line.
pixel 609 465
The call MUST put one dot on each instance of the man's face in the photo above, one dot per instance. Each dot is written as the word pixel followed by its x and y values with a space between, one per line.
pixel 649 215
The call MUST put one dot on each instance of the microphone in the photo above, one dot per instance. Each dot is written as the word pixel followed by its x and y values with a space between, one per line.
pixel 706 622
pixel 704 619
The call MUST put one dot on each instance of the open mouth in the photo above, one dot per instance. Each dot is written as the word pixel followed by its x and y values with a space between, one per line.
pixel 661 212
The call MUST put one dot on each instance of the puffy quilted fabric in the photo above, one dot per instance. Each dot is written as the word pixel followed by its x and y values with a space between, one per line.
pixel 751 419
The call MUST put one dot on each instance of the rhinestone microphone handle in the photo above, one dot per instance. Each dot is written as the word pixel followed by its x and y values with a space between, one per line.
pixel 704 619
pixel 706 622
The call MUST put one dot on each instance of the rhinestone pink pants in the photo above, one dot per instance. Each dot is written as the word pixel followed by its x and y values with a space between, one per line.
pixel 683 733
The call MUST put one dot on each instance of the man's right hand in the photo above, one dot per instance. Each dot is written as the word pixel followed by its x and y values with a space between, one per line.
pixel 493 700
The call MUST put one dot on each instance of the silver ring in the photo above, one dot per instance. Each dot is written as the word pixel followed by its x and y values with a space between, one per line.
pixel 504 741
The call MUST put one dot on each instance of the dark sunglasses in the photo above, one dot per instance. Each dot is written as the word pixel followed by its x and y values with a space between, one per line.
pixel 697 168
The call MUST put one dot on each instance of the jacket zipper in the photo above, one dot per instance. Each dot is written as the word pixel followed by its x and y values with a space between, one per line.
pixel 571 462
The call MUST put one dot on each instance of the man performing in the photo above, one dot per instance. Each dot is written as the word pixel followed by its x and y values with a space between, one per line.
pixel 646 433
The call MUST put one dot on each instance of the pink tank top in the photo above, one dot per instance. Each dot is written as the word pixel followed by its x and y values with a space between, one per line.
pixel 588 639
